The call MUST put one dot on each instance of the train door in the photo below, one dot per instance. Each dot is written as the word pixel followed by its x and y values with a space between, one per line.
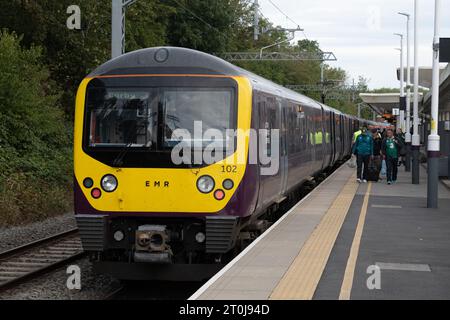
pixel 345 138
pixel 311 128
pixel 332 136
pixel 338 133
pixel 319 141
pixel 283 144
pixel 327 137
pixel 321 136
pixel 269 119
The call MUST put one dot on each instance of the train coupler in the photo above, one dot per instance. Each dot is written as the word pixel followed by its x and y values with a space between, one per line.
pixel 151 244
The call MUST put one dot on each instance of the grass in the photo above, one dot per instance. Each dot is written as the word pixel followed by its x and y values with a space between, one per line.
pixel 24 200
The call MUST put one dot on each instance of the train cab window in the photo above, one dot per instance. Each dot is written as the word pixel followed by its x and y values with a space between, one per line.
pixel 197 111
pixel 134 122
pixel 120 117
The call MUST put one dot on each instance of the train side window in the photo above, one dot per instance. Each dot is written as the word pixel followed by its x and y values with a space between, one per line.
pixel 268 120
pixel 300 127
pixel 292 137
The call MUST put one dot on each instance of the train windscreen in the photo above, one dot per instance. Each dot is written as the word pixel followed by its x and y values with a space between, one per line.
pixel 156 119
pixel 203 114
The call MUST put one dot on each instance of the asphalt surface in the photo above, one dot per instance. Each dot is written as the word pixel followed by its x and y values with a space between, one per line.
pixel 409 242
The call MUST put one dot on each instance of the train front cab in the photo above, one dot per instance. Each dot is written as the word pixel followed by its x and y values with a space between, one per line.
pixel 134 207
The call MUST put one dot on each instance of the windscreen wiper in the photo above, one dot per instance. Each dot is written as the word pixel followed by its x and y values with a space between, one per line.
pixel 118 161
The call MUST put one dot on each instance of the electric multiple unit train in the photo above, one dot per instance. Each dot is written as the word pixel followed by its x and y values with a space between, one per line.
pixel 142 215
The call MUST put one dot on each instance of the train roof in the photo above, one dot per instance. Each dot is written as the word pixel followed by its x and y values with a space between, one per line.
pixel 175 60
pixel 170 60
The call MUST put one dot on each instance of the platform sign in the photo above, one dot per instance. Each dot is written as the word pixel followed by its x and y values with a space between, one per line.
pixel 395 111
pixel 444 50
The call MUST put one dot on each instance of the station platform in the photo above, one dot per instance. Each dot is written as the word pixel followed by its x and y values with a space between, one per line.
pixel 347 241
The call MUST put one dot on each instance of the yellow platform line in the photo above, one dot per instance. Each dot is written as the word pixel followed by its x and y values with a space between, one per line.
pixel 301 279
pixel 349 274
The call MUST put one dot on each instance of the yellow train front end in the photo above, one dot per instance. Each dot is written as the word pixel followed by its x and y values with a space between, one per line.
pixel 159 163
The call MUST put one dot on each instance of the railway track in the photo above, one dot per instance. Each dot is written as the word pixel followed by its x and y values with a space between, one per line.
pixel 36 258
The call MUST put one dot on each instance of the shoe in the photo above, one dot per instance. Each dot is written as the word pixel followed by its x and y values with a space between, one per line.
pixel 364 181
pixel 358 180
pixel 389 182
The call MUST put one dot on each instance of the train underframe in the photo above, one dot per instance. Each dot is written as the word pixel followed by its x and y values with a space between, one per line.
pixel 158 248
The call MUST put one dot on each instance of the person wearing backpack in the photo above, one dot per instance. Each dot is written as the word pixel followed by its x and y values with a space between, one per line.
pixel 390 150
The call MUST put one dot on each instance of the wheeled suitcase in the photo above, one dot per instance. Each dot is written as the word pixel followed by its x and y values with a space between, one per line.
pixel 373 173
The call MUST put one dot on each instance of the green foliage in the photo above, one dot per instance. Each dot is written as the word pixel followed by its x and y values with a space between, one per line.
pixel 41 69
pixel 35 152
pixel 386 90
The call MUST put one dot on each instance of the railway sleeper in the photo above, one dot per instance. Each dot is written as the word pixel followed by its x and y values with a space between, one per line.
pixel 23 264
pixel 13 273
pixel 39 260
pixel 23 267
pixel 59 253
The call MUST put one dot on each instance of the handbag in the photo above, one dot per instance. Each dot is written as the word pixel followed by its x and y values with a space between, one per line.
pixel 383 168
pixel 352 162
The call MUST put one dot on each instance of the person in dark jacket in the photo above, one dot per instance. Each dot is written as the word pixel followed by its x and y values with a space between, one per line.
pixel 390 150
pixel 377 141
pixel 401 149
pixel 363 149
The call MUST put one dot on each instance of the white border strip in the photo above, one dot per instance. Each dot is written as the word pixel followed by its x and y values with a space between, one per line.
pixel 203 288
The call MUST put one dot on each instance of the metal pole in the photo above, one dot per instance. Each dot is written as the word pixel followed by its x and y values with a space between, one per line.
pixel 401 117
pixel 256 21
pixel 116 28
pixel 416 137
pixel 402 85
pixel 322 82
pixel 433 138
pixel 408 96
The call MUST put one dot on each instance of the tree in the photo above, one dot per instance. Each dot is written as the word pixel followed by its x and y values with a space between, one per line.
pixel 35 152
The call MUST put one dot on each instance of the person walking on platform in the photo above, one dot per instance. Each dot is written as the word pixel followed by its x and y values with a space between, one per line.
pixel 356 135
pixel 377 157
pixel 363 149
pixel 402 148
pixel 390 149
pixel 352 162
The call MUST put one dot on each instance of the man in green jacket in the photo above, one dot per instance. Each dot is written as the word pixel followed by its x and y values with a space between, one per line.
pixel 363 149
pixel 390 150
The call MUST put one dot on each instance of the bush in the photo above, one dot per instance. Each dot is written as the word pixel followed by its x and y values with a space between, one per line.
pixel 35 140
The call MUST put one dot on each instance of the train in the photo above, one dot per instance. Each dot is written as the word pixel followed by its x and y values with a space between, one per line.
pixel 143 215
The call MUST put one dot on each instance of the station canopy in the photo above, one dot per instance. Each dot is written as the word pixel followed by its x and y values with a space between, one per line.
pixel 383 103
pixel 425 76
pixel 444 92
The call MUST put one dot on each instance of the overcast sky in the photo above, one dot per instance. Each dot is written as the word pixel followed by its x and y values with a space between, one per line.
pixel 360 32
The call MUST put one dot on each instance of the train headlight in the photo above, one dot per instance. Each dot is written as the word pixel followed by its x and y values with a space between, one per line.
pixel 109 183
pixel 228 184
pixel 205 184
pixel 88 183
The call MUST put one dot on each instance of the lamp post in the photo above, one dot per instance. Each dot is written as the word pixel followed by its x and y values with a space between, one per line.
pixel 408 96
pixel 256 21
pixel 433 138
pixel 402 87
pixel 416 137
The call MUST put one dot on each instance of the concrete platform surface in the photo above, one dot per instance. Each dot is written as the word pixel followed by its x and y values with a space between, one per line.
pixel 347 241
